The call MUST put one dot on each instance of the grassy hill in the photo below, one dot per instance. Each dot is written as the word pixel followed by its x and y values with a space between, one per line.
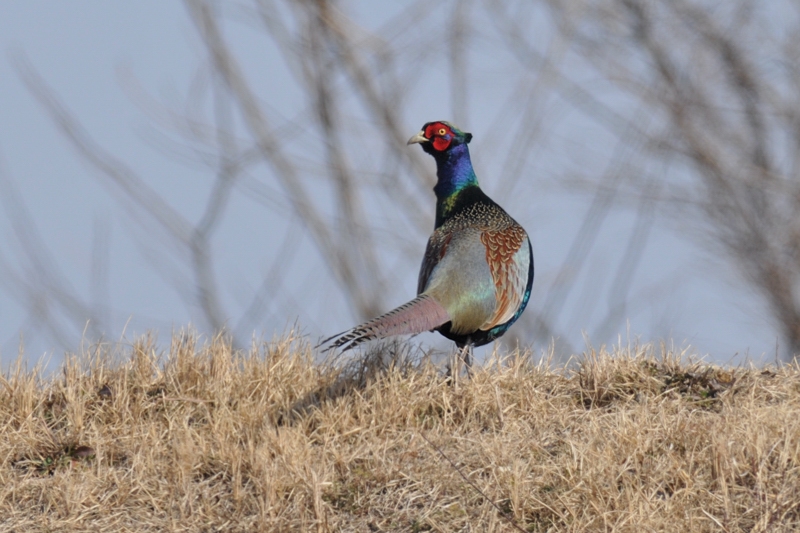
pixel 203 439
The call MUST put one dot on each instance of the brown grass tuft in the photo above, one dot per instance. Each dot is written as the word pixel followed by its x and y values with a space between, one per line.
pixel 206 439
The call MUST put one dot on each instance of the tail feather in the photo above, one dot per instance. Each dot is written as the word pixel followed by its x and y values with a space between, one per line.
pixel 423 313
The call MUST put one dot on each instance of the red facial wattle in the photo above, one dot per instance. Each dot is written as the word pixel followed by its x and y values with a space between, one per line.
pixel 440 135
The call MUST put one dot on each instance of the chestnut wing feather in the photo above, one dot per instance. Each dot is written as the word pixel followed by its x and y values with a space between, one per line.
pixel 508 271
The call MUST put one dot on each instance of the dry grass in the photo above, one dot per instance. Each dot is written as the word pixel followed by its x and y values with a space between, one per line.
pixel 203 439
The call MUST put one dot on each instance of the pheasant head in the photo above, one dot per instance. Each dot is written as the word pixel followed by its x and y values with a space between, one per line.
pixel 448 146
pixel 438 137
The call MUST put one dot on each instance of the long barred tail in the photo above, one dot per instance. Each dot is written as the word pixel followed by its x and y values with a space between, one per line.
pixel 423 313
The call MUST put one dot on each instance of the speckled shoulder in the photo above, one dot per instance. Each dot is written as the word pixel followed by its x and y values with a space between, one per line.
pixel 478 216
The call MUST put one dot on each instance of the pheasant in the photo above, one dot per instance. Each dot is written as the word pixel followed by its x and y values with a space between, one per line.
pixel 476 275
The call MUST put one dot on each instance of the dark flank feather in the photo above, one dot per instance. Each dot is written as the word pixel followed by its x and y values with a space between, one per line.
pixel 476 275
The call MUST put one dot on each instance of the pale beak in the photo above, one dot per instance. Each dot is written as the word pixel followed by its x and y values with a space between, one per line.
pixel 418 138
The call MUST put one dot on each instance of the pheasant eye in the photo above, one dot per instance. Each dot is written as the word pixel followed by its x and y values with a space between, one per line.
pixel 442 131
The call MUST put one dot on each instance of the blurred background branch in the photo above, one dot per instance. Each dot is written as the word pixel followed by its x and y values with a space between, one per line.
pixel 597 124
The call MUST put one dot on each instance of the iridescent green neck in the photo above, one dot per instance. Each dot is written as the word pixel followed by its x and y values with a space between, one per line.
pixel 455 173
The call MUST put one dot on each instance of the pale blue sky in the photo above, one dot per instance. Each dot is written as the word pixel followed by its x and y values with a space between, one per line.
pixel 89 51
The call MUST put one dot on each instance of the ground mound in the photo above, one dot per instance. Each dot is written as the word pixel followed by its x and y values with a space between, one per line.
pixel 204 438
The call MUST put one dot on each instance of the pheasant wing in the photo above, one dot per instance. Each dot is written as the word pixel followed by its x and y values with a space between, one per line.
pixel 434 252
pixel 509 260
